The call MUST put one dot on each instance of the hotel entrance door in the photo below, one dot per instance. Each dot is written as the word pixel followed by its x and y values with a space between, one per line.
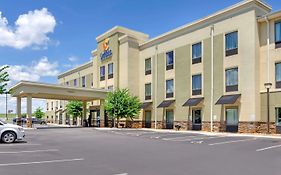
pixel 196 119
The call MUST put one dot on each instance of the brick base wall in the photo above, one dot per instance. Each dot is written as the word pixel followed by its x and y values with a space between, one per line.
pixel 256 127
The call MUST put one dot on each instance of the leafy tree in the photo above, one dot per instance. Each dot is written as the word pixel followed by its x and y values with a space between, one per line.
pixel 121 104
pixel 75 108
pixel 38 113
pixel 4 78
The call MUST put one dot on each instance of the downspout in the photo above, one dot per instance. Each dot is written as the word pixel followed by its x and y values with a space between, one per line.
pixel 155 87
pixel 212 76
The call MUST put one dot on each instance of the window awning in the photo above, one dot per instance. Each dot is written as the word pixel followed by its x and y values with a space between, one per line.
pixel 146 105
pixel 193 101
pixel 228 99
pixel 165 103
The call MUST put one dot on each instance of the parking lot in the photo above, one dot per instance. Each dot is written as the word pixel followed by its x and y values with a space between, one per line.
pixel 87 151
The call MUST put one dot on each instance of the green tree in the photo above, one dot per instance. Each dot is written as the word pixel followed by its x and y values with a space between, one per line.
pixel 121 104
pixel 75 108
pixel 4 78
pixel 38 113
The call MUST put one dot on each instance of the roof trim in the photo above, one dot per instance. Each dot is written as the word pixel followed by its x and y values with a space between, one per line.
pixel 118 29
pixel 76 69
pixel 158 39
pixel 270 16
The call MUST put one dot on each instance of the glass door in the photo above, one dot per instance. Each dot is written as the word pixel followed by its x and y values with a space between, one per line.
pixel 232 120
pixel 169 119
pixel 196 119
pixel 147 118
pixel 278 120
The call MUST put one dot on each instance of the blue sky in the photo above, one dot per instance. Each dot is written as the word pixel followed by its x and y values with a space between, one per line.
pixel 68 28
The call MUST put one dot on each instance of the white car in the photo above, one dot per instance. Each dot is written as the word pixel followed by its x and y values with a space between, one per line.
pixel 9 133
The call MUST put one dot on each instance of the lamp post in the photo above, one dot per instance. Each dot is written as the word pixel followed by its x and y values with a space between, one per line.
pixel 268 86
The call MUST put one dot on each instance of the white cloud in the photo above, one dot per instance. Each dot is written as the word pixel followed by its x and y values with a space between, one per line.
pixel 73 58
pixel 30 29
pixel 33 72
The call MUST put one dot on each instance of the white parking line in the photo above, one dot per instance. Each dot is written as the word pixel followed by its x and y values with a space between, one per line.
pixel 177 138
pixel 41 162
pixel 267 148
pixel 233 141
pixel 194 139
pixel 122 174
pixel 34 151
pixel 18 144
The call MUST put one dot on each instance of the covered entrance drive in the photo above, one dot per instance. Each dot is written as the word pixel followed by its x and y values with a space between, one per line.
pixel 30 90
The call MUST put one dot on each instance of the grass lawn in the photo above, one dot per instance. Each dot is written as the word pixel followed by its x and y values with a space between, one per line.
pixel 10 117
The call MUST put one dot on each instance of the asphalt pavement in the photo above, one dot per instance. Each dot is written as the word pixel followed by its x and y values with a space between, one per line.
pixel 87 151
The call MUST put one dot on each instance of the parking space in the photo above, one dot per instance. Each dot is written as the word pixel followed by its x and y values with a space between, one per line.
pixel 86 151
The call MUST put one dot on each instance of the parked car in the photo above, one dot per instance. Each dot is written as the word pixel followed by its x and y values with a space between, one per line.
pixel 23 120
pixel 9 133
pixel 38 121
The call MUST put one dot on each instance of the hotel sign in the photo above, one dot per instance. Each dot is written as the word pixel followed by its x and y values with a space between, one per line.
pixel 107 52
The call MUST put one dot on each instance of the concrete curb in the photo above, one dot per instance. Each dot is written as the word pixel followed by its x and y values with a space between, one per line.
pixel 198 132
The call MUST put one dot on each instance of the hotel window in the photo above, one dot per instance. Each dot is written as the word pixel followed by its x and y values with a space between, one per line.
pixel 196 53
pixel 75 82
pixel 278 116
pixel 169 88
pixel 231 44
pixel 148 66
pixel 196 84
pixel 52 106
pixel 278 34
pixel 231 80
pixel 67 83
pixel 83 81
pixel 148 91
pixel 278 75
pixel 57 105
pixel 47 106
pixel 102 73
pixel 110 70
pixel 169 60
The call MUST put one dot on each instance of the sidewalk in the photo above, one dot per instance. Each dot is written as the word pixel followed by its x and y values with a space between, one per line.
pixel 257 135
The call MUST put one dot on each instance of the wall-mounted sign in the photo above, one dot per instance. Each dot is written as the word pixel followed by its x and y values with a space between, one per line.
pixel 107 52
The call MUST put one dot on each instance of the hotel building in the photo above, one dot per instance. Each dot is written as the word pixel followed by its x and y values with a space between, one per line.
pixel 206 75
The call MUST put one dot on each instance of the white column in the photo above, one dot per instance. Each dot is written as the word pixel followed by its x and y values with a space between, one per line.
pixel 63 118
pixel 19 111
pixel 29 111
pixel 102 119
pixel 84 111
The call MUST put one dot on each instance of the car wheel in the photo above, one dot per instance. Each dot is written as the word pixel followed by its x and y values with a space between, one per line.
pixel 8 137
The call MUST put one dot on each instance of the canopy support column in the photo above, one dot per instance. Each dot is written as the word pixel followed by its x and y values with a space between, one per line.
pixel 29 111
pixel 19 111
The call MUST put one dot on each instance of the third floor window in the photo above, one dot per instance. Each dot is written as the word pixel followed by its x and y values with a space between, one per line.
pixel 148 66
pixel 110 70
pixel 102 73
pixel 231 43
pixel 196 53
pixel 169 60
pixel 278 34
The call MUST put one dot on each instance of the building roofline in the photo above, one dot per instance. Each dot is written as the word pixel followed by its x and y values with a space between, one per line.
pixel 159 38
pixel 76 69
pixel 118 29
pixel 270 16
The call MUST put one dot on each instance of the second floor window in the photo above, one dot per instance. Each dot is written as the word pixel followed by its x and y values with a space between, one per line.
pixel 148 91
pixel 231 44
pixel 148 66
pixel 169 88
pixel 196 53
pixel 110 87
pixel 83 81
pixel 278 75
pixel 102 73
pixel 75 82
pixel 110 70
pixel 169 60
pixel 231 80
pixel 278 34
pixel 67 83
pixel 197 84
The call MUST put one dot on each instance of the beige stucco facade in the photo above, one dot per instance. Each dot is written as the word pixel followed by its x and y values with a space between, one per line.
pixel 127 50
